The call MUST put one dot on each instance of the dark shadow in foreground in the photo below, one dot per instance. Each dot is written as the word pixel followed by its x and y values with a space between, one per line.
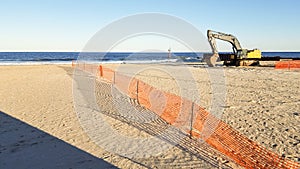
pixel 24 146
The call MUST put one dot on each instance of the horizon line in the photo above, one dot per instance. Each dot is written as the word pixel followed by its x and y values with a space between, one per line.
pixel 60 51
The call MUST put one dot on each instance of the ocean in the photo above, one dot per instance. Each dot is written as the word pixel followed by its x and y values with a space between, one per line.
pixel 31 58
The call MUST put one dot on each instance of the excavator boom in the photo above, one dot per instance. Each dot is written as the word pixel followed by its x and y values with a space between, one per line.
pixel 213 35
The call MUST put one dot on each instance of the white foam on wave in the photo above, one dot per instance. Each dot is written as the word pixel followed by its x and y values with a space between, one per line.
pixel 34 63
pixel 128 61
pixel 7 63
pixel 151 61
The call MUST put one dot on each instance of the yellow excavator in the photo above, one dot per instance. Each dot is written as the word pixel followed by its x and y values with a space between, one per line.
pixel 239 57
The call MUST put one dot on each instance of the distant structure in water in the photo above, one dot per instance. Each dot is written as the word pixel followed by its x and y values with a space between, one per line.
pixel 169 54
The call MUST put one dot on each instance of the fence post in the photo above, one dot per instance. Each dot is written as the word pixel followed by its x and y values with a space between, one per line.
pixel 114 79
pixel 192 117
pixel 137 91
pixel 101 70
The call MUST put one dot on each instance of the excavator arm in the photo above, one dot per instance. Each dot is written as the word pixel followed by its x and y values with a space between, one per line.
pixel 212 36
pixel 239 57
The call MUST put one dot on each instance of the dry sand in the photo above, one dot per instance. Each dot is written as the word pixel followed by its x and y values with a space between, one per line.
pixel 261 102
pixel 264 104
pixel 39 127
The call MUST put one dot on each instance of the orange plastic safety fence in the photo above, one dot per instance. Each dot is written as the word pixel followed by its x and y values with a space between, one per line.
pixel 177 111
pixel 294 64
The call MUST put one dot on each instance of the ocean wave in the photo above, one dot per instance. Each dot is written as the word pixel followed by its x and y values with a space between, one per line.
pixel 12 63
pixel 58 62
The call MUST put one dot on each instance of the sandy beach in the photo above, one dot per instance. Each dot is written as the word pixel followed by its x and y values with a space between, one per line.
pixel 39 126
pixel 262 103
pixel 149 85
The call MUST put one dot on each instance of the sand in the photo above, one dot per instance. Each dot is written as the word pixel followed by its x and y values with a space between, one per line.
pixel 264 104
pixel 40 129
pixel 39 126
pixel 261 102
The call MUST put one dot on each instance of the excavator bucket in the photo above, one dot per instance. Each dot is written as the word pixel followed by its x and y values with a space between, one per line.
pixel 211 59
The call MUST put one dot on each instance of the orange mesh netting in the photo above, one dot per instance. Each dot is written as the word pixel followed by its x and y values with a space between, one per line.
pixel 293 64
pixel 177 111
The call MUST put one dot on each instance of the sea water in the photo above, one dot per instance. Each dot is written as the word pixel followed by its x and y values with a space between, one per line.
pixel 32 58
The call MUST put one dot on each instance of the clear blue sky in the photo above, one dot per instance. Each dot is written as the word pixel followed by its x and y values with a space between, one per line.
pixel 67 25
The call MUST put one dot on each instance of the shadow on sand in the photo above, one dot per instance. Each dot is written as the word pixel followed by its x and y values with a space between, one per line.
pixel 198 154
pixel 24 146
